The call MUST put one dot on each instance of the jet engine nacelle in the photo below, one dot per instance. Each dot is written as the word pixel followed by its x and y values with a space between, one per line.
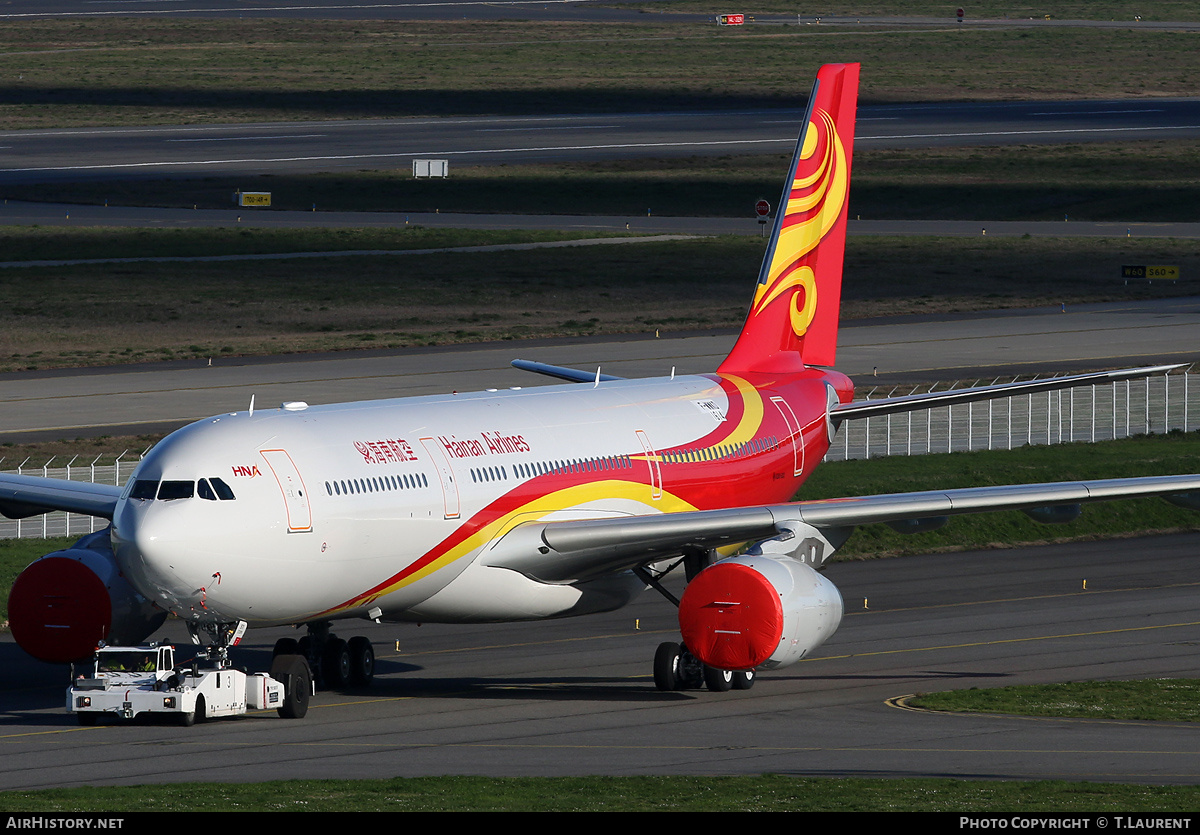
pixel 761 612
pixel 65 603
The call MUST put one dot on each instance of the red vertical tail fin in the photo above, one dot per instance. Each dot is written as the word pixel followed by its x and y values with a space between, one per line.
pixel 793 320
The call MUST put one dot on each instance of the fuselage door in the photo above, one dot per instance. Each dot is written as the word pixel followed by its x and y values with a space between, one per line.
pixel 295 496
pixel 445 476
pixel 794 434
pixel 652 462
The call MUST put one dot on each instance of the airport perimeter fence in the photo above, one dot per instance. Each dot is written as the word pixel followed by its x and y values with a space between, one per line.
pixel 1153 405
pixel 1089 413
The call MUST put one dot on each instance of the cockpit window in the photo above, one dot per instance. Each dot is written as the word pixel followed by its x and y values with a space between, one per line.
pixel 213 489
pixel 144 489
pixel 169 490
pixel 206 488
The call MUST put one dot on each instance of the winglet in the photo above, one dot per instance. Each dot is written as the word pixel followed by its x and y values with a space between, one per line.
pixel 793 320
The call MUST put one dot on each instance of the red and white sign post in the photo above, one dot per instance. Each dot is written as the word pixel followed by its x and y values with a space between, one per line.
pixel 763 209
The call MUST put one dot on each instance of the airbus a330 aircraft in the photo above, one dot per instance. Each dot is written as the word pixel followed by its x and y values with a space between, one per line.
pixel 543 502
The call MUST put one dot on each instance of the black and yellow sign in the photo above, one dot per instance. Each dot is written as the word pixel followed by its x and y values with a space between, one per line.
pixel 1161 272
pixel 254 198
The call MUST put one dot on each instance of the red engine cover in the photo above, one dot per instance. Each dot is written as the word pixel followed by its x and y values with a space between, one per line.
pixel 731 617
pixel 59 610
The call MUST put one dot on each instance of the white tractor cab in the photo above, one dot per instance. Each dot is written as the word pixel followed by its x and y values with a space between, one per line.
pixel 128 681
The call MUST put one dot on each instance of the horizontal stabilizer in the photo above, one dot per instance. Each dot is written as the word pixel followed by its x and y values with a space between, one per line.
pixel 571 375
pixel 931 400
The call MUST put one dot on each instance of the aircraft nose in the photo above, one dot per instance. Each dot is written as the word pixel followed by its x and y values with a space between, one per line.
pixel 155 555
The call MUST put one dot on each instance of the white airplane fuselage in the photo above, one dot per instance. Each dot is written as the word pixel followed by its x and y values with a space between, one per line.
pixel 385 508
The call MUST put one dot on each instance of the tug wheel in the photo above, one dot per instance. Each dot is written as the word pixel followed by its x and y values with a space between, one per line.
pixel 293 673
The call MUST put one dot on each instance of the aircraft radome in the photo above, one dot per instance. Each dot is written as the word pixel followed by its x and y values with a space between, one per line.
pixel 543 502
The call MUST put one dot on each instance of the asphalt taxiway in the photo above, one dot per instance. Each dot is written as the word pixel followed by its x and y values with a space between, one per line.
pixel 576 697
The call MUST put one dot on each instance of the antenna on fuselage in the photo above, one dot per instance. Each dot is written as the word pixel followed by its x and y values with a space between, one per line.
pixel 252 405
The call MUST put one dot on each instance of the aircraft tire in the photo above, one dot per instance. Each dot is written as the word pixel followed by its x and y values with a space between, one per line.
pixel 716 680
pixel 362 661
pixel 667 675
pixel 293 672
pixel 335 663
pixel 743 679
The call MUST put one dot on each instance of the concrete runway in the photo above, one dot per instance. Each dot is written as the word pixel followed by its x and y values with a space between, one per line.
pixel 67 155
pixel 576 696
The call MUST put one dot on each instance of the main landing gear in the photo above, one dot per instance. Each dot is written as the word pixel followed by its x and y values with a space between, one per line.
pixel 677 669
pixel 335 663
pixel 674 667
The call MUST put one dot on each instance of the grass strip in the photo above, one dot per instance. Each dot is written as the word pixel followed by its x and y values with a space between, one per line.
pixel 708 793
pixel 15 554
pixel 109 314
pixel 1161 700
pixel 148 70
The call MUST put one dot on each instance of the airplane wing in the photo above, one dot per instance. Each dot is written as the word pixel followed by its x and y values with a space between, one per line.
pixel 912 402
pixel 26 495
pixel 570 551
